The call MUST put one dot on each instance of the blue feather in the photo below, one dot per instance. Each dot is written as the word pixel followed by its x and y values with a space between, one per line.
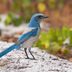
pixel 34 23
pixel 27 35
pixel 8 50
pixel 20 41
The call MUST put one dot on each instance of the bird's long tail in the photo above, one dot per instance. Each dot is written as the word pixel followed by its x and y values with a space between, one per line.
pixel 9 49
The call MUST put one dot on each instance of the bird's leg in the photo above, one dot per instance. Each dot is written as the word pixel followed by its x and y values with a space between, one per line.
pixel 31 53
pixel 25 49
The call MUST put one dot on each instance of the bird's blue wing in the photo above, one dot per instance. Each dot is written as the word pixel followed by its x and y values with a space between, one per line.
pixel 9 49
pixel 21 40
pixel 26 36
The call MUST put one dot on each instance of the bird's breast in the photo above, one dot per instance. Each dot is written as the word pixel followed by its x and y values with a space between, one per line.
pixel 31 41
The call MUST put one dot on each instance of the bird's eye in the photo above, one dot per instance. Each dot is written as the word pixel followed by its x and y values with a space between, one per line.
pixel 40 17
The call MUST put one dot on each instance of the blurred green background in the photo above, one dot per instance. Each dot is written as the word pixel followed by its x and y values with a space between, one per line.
pixel 59 11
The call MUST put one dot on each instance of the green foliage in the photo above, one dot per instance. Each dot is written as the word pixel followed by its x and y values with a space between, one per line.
pixel 54 47
pixel 12 19
pixel 0 19
pixel 9 19
pixel 61 3
pixel 70 37
pixel 52 4
pixel 54 38
pixel 28 7
pixel 27 2
pixel 16 5
pixel 66 51
pixel 27 14
pixel 17 21
pixel 40 0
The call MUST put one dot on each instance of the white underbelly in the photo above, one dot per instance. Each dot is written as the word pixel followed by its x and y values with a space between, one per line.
pixel 30 42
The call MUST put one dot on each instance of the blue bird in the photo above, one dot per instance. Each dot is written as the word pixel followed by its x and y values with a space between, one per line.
pixel 27 39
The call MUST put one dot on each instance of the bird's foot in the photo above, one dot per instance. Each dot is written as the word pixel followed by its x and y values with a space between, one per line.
pixel 30 58
pixel 34 58
pixel 27 58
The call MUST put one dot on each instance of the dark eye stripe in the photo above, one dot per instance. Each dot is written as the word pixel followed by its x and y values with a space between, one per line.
pixel 40 16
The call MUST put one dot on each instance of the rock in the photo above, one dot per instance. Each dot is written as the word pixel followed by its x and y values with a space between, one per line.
pixel 15 61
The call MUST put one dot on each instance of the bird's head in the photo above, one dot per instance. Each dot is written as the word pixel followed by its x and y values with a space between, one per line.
pixel 36 19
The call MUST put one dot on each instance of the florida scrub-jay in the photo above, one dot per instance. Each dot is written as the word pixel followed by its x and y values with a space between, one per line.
pixel 26 40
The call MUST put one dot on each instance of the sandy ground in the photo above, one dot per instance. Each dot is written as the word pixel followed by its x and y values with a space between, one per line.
pixel 15 61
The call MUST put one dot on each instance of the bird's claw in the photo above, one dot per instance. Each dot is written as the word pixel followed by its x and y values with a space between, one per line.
pixel 27 58
pixel 34 59
pixel 30 58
